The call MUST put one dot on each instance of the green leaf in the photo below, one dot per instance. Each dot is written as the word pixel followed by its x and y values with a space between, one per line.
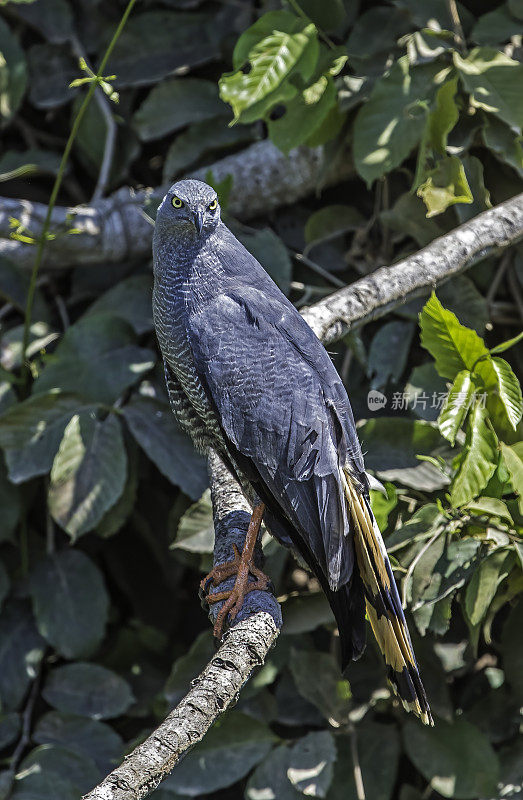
pixel 89 737
pixel 514 464
pixel 376 744
pixel 388 353
pixel 175 103
pixel 41 786
pixel 332 221
pixel 393 445
pixel 500 348
pixel 130 300
pixel 154 427
pixel 304 114
pixel 332 695
pixel 484 583
pixel 444 186
pixel 512 649
pixel 444 567
pixel 494 81
pixel 97 358
pixel 88 473
pixel 269 780
pixel 10 506
pixel 504 143
pixel 89 690
pixel 63 763
pixel 70 603
pixel 392 122
pixel 375 31
pixel 444 117
pixel 13 73
pixel 491 506
pixel 155 44
pixel 234 745
pixel 196 528
pixel 31 432
pixel 495 27
pixel 509 390
pixel 187 666
pixel 200 139
pixel 278 46
pixel 21 651
pixel 382 505
pixel 479 459
pixel 408 217
pixel 51 70
pixel 305 612
pixel 455 758
pixel 453 346
pixel 9 728
pixel 456 405
pixel 311 762
pixel 272 254
pixel 15 163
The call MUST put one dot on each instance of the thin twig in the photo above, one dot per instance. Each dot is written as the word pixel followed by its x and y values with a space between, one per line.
pixel 302 259
pixel 356 767
pixel 110 133
pixel 27 717
pixel 42 240
pixel 459 37
pixel 415 561
pixel 513 283
pixel 498 277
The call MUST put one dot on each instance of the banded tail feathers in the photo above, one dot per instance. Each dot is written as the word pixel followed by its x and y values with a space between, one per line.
pixel 383 604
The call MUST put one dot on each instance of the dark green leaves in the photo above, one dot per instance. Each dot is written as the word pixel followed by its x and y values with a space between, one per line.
pixel 173 104
pixel 89 690
pixel 154 427
pixel 70 603
pixel 97 358
pixel 392 122
pixel 331 695
pixel 88 474
pixel 456 758
pixel 13 73
pixel 234 745
pixel 493 80
pixel 20 653
pixel 278 47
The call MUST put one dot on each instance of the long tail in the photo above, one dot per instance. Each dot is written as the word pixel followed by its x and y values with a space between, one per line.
pixel 384 609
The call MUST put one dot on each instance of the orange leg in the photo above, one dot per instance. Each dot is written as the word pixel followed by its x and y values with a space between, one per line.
pixel 242 566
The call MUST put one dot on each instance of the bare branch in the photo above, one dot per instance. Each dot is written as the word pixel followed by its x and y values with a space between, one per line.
pixel 244 648
pixel 115 229
pixel 389 287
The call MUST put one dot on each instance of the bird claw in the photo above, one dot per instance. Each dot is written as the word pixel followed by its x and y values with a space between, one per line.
pixel 242 567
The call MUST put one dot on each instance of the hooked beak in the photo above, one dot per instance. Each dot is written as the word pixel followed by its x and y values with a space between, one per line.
pixel 198 220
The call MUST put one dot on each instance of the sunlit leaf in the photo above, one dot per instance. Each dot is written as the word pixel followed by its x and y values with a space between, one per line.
pixel 479 458
pixel 456 405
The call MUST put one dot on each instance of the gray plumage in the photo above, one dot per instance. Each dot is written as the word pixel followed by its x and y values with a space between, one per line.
pixel 248 377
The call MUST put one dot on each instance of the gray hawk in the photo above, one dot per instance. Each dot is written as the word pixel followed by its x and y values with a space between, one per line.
pixel 249 379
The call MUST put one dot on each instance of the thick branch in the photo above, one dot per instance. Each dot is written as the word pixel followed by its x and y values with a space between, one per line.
pixel 115 229
pixel 247 643
pixel 244 647
pixel 389 287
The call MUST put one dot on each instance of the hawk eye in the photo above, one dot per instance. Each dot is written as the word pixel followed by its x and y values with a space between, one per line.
pixel 213 206
pixel 177 203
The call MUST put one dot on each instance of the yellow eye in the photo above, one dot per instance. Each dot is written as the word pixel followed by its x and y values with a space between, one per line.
pixel 214 205
pixel 177 203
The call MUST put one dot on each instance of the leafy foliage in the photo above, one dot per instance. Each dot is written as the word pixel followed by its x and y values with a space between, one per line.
pixel 105 524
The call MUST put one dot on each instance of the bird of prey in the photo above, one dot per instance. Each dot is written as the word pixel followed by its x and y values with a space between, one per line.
pixel 249 379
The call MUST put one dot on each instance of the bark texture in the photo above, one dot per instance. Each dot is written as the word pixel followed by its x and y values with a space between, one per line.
pixel 115 228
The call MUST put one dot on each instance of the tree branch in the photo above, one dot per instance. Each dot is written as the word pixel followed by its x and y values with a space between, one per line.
pixel 389 287
pixel 115 228
pixel 247 643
